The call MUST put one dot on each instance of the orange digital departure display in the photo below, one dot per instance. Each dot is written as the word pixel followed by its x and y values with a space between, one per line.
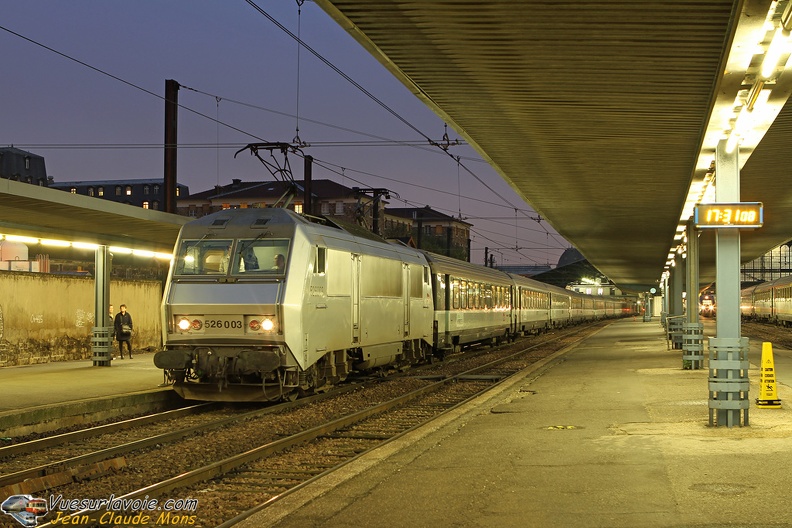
pixel 745 215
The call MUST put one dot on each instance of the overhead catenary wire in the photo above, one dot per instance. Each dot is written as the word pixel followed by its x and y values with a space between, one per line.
pixel 249 134
pixel 124 81
pixel 369 94
pixel 216 96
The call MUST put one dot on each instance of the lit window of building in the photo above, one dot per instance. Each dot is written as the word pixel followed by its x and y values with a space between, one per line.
pixel 129 190
pixel 298 208
pixel 91 191
pixel 145 205
pixel 100 192
pixel 73 190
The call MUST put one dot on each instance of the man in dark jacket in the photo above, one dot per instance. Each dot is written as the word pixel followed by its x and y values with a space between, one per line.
pixel 122 324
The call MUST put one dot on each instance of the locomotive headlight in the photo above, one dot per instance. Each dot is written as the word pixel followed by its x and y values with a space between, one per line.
pixel 186 324
pixel 264 324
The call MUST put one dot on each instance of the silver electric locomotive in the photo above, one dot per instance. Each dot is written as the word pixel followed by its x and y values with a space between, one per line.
pixel 262 304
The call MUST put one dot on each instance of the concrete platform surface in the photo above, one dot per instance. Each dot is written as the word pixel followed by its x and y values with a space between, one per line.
pixel 29 386
pixel 612 433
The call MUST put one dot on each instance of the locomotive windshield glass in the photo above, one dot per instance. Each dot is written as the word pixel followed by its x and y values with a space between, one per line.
pixel 203 257
pixel 265 256
pixel 215 257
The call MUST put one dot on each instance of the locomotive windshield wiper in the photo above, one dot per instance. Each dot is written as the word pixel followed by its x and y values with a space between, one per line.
pixel 244 247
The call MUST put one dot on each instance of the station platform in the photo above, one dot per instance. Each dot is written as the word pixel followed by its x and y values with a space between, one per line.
pixel 29 386
pixel 609 433
pixel 48 396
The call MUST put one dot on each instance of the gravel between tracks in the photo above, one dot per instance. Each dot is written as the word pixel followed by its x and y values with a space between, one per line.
pixel 151 465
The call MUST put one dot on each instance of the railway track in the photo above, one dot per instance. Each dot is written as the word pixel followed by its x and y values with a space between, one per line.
pixel 271 451
pixel 209 451
pixel 778 335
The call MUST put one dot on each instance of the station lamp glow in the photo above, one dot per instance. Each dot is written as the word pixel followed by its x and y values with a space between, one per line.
pixel 741 117
pixel 54 243
pixel 86 246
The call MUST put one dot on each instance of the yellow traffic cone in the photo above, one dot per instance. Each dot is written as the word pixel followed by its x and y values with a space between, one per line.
pixel 768 397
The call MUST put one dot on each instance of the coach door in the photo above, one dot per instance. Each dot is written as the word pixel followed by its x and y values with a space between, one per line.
pixel 514 304
pixel 406 288
pixel 355 298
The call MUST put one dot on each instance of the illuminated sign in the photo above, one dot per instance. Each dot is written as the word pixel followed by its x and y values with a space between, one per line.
pixel 740 215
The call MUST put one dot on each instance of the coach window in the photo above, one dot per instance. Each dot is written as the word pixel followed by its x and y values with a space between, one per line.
pixel 455 300
pixel 463 295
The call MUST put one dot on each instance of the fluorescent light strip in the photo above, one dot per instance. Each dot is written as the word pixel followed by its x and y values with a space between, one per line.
pixel 86 245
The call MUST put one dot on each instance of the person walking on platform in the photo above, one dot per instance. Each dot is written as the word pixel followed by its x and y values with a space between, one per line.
pixel 122 326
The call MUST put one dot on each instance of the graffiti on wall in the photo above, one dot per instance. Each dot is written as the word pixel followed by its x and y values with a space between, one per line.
pixel 83 318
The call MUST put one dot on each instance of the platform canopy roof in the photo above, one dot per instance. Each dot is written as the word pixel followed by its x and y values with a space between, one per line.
pixel 33 211
pixel 604 115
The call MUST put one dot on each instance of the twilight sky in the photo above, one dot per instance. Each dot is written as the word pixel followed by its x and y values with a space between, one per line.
pixel 103 117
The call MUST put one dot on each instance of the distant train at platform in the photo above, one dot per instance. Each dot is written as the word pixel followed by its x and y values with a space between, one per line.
pixel 707 307
pixel 266 304
pixel 768 302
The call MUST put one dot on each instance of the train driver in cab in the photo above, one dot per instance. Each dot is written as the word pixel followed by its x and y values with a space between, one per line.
pixel 279 262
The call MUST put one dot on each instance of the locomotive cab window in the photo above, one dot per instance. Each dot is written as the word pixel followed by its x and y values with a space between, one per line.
pixel 261 256
pixel 321 260
pixel 219 257
pixel 203 257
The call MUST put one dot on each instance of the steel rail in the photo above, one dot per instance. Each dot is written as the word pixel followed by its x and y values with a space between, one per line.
pixel 121 449
pixel 74 436
pixel 229 464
